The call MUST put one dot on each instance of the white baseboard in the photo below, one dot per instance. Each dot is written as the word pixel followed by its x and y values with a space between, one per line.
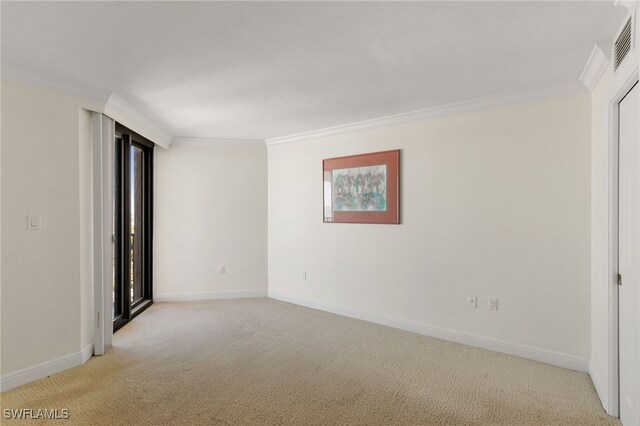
pixel 45 369
pixel 208 295
pixel 535 354
pixel 87 352
pixel 602 394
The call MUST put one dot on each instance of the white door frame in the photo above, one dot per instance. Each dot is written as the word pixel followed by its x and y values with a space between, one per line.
pixel 103 137
pixel 624 80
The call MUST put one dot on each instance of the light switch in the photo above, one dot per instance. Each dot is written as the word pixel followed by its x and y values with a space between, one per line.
pixel 34 222
pixel 492 304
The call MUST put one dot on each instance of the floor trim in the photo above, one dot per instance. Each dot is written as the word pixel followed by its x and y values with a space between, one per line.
pixel 45 369
pixel 208 295
pixel 532 353
pixel 597 384
pixel 87 352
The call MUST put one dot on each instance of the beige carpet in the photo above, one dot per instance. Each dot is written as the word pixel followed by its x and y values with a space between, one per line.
pixel 264 362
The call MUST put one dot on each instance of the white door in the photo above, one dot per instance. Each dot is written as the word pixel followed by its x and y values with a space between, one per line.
pixel 629 257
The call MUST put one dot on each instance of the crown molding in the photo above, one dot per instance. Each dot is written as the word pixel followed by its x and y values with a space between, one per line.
pixel 209 142
pixel 632 4
pixel 568 89
pixel 89 97
pixel 125 114
pixel 596 64
pixel 118 109
pixel 96 99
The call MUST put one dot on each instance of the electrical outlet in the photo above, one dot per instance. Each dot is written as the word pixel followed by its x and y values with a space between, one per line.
pixel 221 270
pixel 492 304
pixel 472 302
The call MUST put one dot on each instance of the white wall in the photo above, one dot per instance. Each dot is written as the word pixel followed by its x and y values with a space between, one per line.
pixel 210 210
pixel 44 275
pixel 494 203
pixel 603 331
pixel 85 167
pixel 599 366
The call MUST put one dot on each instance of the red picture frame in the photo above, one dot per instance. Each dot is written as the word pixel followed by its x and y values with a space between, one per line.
pixel 362 188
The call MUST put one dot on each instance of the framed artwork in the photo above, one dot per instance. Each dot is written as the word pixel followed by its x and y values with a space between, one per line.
pixel 362 188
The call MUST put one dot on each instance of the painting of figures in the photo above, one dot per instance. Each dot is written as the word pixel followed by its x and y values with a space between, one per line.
pixel 363 188
pixel 360 189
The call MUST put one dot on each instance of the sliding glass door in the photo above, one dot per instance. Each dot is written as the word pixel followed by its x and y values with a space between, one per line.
pixel 133 220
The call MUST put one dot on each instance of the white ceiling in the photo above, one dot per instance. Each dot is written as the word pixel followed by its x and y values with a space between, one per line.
pixel 246 70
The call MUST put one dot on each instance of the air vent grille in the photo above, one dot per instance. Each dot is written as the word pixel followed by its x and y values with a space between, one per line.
pixel 622 45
